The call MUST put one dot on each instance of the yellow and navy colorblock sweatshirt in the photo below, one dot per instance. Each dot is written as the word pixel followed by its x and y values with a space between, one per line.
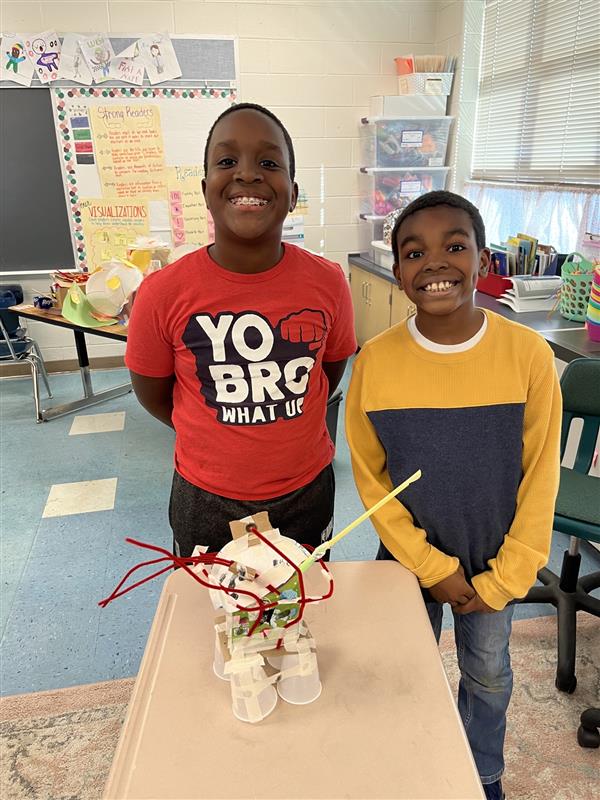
pixel 483 425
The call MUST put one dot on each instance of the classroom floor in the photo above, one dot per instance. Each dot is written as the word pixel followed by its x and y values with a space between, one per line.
pixel 72 490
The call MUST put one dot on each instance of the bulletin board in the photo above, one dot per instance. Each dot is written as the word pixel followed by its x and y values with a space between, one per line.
pixel 132 163
pixel 130 153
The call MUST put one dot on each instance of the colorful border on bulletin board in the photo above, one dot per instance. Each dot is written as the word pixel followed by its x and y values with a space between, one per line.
pixel 67 138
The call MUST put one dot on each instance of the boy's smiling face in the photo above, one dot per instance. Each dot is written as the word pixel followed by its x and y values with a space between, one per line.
pixel 439 260
pixel 248 188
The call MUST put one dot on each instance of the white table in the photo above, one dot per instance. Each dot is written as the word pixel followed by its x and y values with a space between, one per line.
pixel 385 725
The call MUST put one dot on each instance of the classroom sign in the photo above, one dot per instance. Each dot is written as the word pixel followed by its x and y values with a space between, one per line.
pixel 109 228
pixel 129 150
pixel 187 208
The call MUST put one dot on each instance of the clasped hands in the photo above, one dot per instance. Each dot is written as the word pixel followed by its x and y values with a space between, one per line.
pixel 459 593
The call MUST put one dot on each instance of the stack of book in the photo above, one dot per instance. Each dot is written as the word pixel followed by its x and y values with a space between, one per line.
pixel 531 293
pixel 523 255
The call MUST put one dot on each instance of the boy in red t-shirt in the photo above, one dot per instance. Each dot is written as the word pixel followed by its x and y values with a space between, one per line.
pixel 238 346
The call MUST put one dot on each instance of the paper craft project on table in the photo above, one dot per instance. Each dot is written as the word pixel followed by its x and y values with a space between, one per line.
pixel 129 150
pixel 43 51
pixel 17 66
pixel 263 645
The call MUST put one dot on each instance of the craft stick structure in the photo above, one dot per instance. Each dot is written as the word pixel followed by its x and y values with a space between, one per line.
pixel 263 645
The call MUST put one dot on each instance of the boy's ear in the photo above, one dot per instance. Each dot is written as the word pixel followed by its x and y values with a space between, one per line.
pixel 204 189
pixel 484 261
pixel 294 197
pixel 396 269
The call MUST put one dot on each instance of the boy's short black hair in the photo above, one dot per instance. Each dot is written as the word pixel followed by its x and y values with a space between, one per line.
pixel 261 110
pixel 440 198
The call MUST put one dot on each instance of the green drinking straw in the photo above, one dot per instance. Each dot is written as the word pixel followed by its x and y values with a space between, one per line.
pixel 320 551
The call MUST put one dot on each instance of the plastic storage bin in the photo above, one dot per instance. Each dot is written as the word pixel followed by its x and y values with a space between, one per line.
pixel 408 105
pixel 383 190
pixel 408 142
pixel 425 83
pixel 382 254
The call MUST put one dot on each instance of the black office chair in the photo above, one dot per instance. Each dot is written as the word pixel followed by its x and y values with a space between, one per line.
pixel 577 513
pixel 588 734
pixel 18 348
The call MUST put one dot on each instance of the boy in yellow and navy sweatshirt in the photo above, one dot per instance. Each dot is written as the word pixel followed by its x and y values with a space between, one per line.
pixel 473 400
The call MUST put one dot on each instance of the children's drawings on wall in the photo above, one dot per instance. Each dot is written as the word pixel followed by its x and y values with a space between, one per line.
pixel 98 53
pixel 187 208
pixel 110 228
pixel 129 150
pixel 17 66
pixel 128 70
pixel 43 51
pixel 73 66
pixel 159 58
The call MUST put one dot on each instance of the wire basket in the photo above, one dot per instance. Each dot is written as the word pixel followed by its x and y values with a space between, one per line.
pixel 577 277
pixel 426 83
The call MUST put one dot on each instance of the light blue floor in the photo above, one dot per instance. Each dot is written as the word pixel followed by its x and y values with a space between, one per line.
pixel 55 570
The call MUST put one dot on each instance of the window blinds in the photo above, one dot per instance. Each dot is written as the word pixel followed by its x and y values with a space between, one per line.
pixel 538 111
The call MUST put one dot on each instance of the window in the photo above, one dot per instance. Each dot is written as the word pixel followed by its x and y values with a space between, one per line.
pixel 538 111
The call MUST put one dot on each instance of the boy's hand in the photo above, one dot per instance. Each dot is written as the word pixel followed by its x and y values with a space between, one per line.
pixel 454 589
pixel 475 604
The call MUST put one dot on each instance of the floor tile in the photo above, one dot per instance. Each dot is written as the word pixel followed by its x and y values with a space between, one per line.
pixel 81 497
pixel 98 423
pixel 47 637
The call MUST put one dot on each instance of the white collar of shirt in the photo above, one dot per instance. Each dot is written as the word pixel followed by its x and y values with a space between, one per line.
pixel 434 347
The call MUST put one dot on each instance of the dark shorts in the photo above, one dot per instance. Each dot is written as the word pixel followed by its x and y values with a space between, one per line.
pixel 199 517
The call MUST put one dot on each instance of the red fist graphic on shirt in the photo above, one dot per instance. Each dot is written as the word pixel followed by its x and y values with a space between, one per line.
pixel 304 326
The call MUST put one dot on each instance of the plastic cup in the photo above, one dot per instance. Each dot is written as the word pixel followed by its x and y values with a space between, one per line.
pixel 300 689
pixel 276 660
pixel 247 706
pixel 219 662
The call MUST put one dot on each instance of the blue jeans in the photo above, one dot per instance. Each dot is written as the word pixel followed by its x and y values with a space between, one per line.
pixel 485 684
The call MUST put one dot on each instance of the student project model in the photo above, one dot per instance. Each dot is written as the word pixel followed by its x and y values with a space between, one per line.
pixel 263 645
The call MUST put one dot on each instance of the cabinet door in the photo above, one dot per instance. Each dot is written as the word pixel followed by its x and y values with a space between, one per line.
pixel 401 306
pixel 358 288
pixel 378 306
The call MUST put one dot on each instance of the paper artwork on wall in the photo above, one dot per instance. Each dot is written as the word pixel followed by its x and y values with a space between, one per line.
pixel 187 208
pixel 128 70
pixel 17 66
pixel 109 228
pixel 159 58
pixel 129 150
pixel 98 53
pixel 43 51
pixel 73 66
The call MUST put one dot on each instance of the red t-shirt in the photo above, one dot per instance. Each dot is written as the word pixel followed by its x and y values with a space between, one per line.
pixel 250 395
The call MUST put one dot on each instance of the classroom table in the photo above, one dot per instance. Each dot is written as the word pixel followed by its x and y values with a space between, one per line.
pixel 90 398
pixel 568 339
pixel 384 726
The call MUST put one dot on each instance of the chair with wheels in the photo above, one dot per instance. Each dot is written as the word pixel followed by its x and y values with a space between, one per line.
pixel 577 514
pixel 588 734
pixel 18 348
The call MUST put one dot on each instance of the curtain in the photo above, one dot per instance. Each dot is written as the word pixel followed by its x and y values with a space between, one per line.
pixel 555 215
